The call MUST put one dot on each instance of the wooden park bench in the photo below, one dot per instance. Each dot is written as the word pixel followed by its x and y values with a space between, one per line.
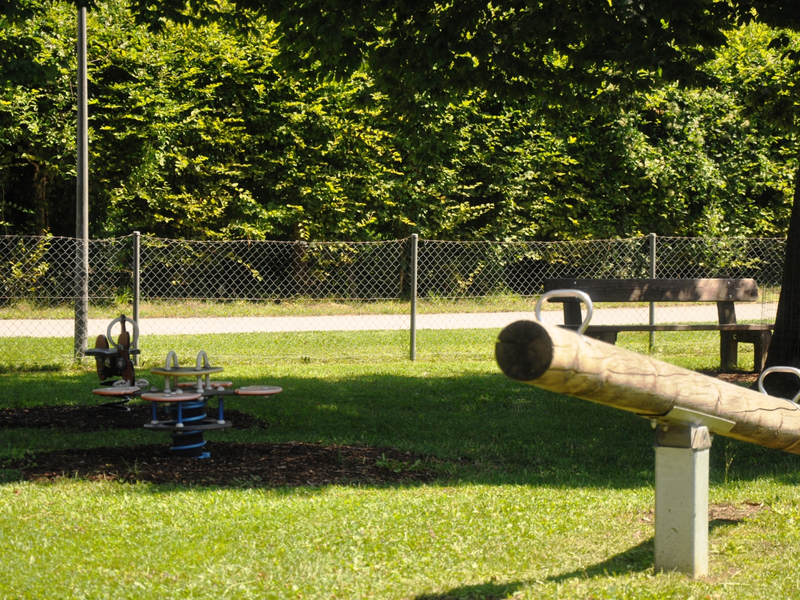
pixel 725 292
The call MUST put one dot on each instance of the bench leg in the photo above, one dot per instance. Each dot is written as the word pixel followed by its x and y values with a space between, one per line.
pixel 760 347
pixel 572 313
pixel 729 344
pixel 609 337
pixel 728 350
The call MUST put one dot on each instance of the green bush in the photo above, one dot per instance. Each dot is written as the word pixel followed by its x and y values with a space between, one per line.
pixel 195 134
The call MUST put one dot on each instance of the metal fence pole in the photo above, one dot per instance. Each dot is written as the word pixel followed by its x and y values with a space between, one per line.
pixel 82 200
pixel 413 339
pixel 137 249
pixel 652 340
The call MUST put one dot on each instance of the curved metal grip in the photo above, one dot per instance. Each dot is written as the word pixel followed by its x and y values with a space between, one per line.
pixel 171 355
pixel 202 360
pixel 135 325
pixel 174 356
pixel 569 294
pixel 766 372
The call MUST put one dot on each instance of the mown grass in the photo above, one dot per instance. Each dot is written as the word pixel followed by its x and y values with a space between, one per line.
pixel 694 350
pixel 539 496
pixel 434 542
pixel 288 307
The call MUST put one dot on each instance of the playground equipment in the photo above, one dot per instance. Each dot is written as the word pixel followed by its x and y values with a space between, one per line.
pixel 114 361
pixel 183 404
pixel 686 409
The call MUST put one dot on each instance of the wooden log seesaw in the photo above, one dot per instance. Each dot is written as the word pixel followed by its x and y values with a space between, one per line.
pixel 686 408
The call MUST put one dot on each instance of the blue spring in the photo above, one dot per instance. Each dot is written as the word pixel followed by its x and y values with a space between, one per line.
pixel 187 446
pixel 191 449
pixel 188 443
pixel 189 405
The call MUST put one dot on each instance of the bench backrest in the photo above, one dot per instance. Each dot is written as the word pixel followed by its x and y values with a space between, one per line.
pixel 660 290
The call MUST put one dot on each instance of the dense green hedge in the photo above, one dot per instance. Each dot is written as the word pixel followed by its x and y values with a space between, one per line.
pixel 194 134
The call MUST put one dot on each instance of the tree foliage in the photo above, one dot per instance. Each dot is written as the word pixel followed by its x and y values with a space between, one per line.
pixel 546 48
pixel 37 135
pixel 196 132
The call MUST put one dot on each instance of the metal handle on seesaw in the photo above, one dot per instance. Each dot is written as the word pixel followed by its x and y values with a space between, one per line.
pixel 766 372
pixel 135 325
pixel 569 294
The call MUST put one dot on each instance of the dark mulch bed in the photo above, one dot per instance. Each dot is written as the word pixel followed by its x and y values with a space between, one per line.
pixel 745 379
pixel 230 464
pixel 95 417
pixel 723 513
pixel 259 464
pixel 253 464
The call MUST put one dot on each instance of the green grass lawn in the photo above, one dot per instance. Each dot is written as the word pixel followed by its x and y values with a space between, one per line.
pixel 539 495
pixel 303 307
pixel 694 350
pixel 288 307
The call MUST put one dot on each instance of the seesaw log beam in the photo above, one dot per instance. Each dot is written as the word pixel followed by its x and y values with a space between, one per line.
pixel 557 359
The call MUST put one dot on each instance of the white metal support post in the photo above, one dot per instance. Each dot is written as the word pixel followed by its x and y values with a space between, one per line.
pixel 681 540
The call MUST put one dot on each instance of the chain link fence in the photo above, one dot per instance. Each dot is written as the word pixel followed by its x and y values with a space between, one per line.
pixel 262 301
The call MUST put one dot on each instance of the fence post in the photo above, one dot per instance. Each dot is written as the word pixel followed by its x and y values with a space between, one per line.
pixel 652 340
pixel 137 256
pixel 413 338
pixel 82 201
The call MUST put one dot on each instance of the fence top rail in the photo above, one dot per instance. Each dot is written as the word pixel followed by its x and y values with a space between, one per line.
pixel 281 242
pixel 63 237
pixel 430 241
pixel 603 241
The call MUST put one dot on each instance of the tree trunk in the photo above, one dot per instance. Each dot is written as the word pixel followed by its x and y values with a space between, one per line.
pixel 784 350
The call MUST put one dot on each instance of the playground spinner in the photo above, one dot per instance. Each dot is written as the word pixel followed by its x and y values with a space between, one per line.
pixel 180 406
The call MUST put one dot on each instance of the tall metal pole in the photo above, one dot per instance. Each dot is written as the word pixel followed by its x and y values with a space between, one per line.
pixel 413 340
pixel 82 200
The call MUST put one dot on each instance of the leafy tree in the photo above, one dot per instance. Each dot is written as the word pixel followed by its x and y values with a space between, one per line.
pixel 169 139
pixel 770 82
pixel 196 133
pixel 550 49
pixel 583 63
pixel 37 116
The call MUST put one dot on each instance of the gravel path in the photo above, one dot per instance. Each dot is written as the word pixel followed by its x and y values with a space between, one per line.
pixel 613 316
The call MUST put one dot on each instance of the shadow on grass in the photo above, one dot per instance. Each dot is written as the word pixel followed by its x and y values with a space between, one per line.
pixel 480 426
pixel 637 559
pixel 495 430
pixel 634 560
pixel 483 591
pixel 25 368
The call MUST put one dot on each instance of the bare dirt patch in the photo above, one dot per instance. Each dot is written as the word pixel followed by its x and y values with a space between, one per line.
pixel 721 514
pixel 261 464
pixel 231 464
pixel 253 464
pixel 734 513
pixel 745 379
